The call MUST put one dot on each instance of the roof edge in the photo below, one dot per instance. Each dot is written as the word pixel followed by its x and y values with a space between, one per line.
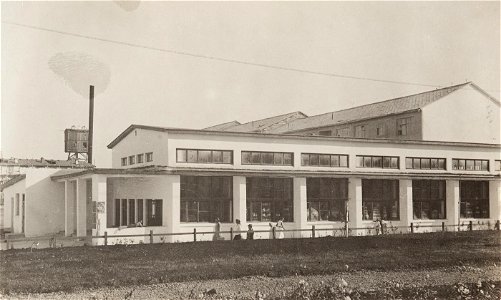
pixel 12 181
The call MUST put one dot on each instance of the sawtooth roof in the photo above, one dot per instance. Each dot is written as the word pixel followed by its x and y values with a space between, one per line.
pixel 369 111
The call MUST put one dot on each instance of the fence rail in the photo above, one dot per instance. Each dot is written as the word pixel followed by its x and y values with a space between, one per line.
pixel 344 231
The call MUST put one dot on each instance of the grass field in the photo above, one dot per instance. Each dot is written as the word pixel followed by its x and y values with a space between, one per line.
pixel 67 269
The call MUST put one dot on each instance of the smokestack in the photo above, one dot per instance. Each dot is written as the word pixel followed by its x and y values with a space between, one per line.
pixel 91 123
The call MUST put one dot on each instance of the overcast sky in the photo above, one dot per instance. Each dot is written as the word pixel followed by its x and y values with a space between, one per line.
pixel 45 74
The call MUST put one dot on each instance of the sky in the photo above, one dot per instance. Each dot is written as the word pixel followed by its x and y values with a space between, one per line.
pixel 197 64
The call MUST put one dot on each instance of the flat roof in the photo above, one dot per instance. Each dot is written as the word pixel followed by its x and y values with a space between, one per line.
pixel 159 170
pixel 291 136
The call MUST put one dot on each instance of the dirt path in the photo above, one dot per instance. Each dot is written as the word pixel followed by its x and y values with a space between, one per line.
pixel 245 288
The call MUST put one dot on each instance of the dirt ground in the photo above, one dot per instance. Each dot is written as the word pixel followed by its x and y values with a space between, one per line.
pixel 247 287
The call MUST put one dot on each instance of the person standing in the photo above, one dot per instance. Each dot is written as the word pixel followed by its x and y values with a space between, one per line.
pixel 272 232
pixel 250 232
pixel 238 235
pixel 217 231
pixel 280 228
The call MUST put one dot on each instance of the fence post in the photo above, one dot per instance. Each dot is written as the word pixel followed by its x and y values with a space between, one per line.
pixel 194 234
pixel 106 238
pixel 151 236
pixel 471 226
pixel 497 224
pixel 443 226
pixel 412 227
pixel 313 231
pixel 273 229
pixel 231 233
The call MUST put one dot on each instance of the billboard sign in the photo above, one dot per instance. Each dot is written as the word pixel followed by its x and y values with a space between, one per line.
pixel 76 140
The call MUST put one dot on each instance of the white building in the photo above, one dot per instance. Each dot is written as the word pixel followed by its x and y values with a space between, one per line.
pixel 176 180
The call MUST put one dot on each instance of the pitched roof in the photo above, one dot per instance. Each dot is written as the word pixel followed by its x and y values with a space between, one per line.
pixel 368 111
pixel 12 181
pixel 44 163
pixel 268 124
pixel 223 126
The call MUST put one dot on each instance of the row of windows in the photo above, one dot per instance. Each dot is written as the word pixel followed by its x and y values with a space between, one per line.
pixel 470 164
pixel 321 160
pixel 204 156
pixel 139 158
pixel 402 128
pixel 138 212
pixel 203 199
pixel 425 163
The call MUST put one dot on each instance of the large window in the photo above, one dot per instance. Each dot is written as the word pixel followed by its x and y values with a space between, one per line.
pixel 425 163
pixel 267 158
pixel 380 199
pixel 131 212
pixel 470 164
pixel 428 198
pixel 385 162
pixel 474 199
pixel 343 132
pixel 269 199
pixel 403 126
pixel 205 198
pixel 326 199
pixel 325 132
pixel 204 156
pixel 324 160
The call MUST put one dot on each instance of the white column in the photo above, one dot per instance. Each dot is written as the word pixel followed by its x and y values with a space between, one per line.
pixel 300 206
pixel 99 195
pixel 81 207
pixel 355 205
pixel 172 205
pixel 240 201
pixel 406 214
pixel 69 207
pixel 452 203
pixel 495 200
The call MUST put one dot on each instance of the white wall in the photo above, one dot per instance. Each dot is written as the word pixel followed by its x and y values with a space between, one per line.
pixel 465 115
pixel 11 220
pixel 141 141
pixel 44 203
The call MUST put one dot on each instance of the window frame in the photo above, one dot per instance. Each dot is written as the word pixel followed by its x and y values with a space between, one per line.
pixel 360 131
pixel 483 203
pixel 420 160
pixel 331 156
pixel 275 192
pixel 149 156
pixel 328 197
pixel 403 126
pixel 254 154
pixel 458 162
pixel 380 198
pixel 198 161
pixel 385 163
pixel 422 193
pixel 140 158
pixel 132 160
pixel 124 161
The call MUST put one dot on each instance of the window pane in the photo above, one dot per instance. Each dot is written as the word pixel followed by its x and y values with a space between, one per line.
pixel 288 159
pixel 377 162
pixel 305 159
pixel 386 162
pixel 140 158
pixel 227 157
pixel 343 161
pixel 462 164
pixel 441 164
pixel 367 161
pixel 204 156
pixel 325 160
pixel 246 157
pixel 335 161
pixel 192 156
pixel 314 159
pixel 485 165
pixel 278 159
pixel 132 211
pixel 434 163
pixel 140 211
pixel 425 163
pixel 416 163
pixel 217 157
pixel 360 161
pixel 267 158
pixel 124 212
pixel 470 165
pixel 455 164
pixel 256 158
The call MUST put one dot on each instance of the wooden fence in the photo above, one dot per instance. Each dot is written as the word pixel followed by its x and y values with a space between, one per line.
pixel 314 230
